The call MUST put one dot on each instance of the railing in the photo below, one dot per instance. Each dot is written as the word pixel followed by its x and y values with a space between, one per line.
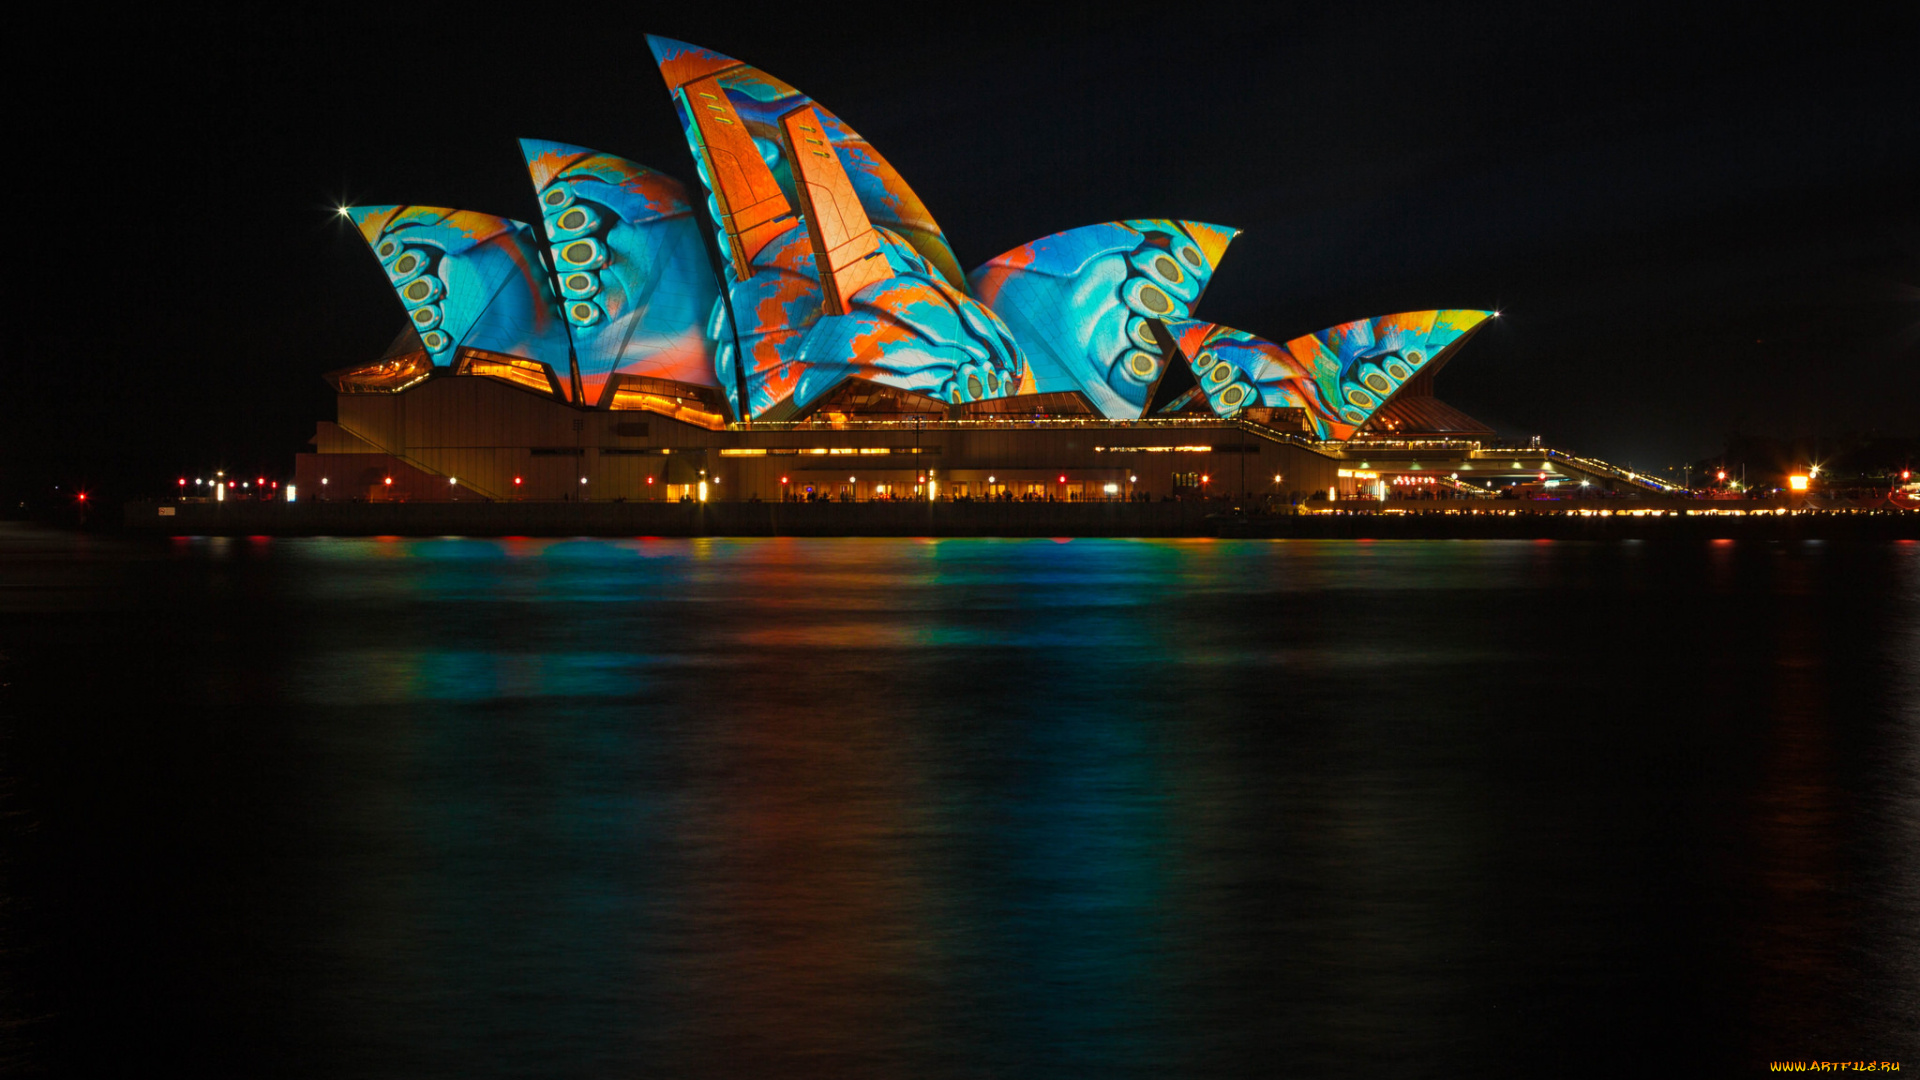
pixel 1595 465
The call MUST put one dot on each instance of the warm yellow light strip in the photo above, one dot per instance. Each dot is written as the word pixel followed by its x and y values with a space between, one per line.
pixel 844 450
pixel 636 401
pixel 532 377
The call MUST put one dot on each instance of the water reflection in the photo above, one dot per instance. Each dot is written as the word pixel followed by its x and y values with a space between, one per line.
pixel 970 808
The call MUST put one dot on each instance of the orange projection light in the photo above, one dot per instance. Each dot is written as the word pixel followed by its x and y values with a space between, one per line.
pixel 846 249
pixel 753 211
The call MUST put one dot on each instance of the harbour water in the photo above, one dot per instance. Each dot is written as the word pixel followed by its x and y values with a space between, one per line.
pixel 967 808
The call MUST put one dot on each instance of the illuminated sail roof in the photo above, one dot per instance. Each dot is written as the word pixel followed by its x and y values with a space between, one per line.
pixel 818 289
pixel 1340 376
pixel 1078 303
pixel 635 283
pixel 466 280
pixel 830 269
pixel 762 99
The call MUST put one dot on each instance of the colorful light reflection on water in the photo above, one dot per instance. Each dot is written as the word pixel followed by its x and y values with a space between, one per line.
pixel 788 807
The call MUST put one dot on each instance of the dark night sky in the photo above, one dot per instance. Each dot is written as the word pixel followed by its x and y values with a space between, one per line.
pixel 1695 221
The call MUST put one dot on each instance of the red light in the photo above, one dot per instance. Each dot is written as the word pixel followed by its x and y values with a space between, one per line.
pixel 276 485
pixel 1905 474
pixel 1721 475
pixel 782 479
pixel 83 496
pixel 388 480
pixel 183 481
pixel 262 482
pixel 516 481
pixel 1206 479
pixel 1063 479
pixel 649 480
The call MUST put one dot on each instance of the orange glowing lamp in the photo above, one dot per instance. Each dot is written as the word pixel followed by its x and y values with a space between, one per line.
pixel 1797 482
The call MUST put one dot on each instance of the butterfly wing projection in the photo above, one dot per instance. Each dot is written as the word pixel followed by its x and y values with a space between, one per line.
pixel 817 290
pixel 467 280
pixel 636 286
pixel 1078 302
pixel 1339 377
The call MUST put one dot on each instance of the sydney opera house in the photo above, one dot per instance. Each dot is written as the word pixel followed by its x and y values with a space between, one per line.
pixel 822 341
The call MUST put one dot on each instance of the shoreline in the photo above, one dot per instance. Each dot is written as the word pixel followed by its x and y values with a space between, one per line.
pixel 949 519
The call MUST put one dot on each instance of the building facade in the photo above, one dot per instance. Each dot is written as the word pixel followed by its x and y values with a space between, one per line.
pixel 798 327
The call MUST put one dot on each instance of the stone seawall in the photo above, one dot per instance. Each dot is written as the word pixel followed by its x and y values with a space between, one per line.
pixel 674 519
pixel 962 519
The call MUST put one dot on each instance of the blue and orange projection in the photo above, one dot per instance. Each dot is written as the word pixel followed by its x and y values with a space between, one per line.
pixel 1340 376
pixel 824 278
pixel 1078 303
pixel 1081 304
pixel 467 280
pixel 831 268
pixel 761 100
pixel 635 283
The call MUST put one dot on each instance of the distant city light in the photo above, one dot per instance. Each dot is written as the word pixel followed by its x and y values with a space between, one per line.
pixel 1798 481
pixel 452 481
